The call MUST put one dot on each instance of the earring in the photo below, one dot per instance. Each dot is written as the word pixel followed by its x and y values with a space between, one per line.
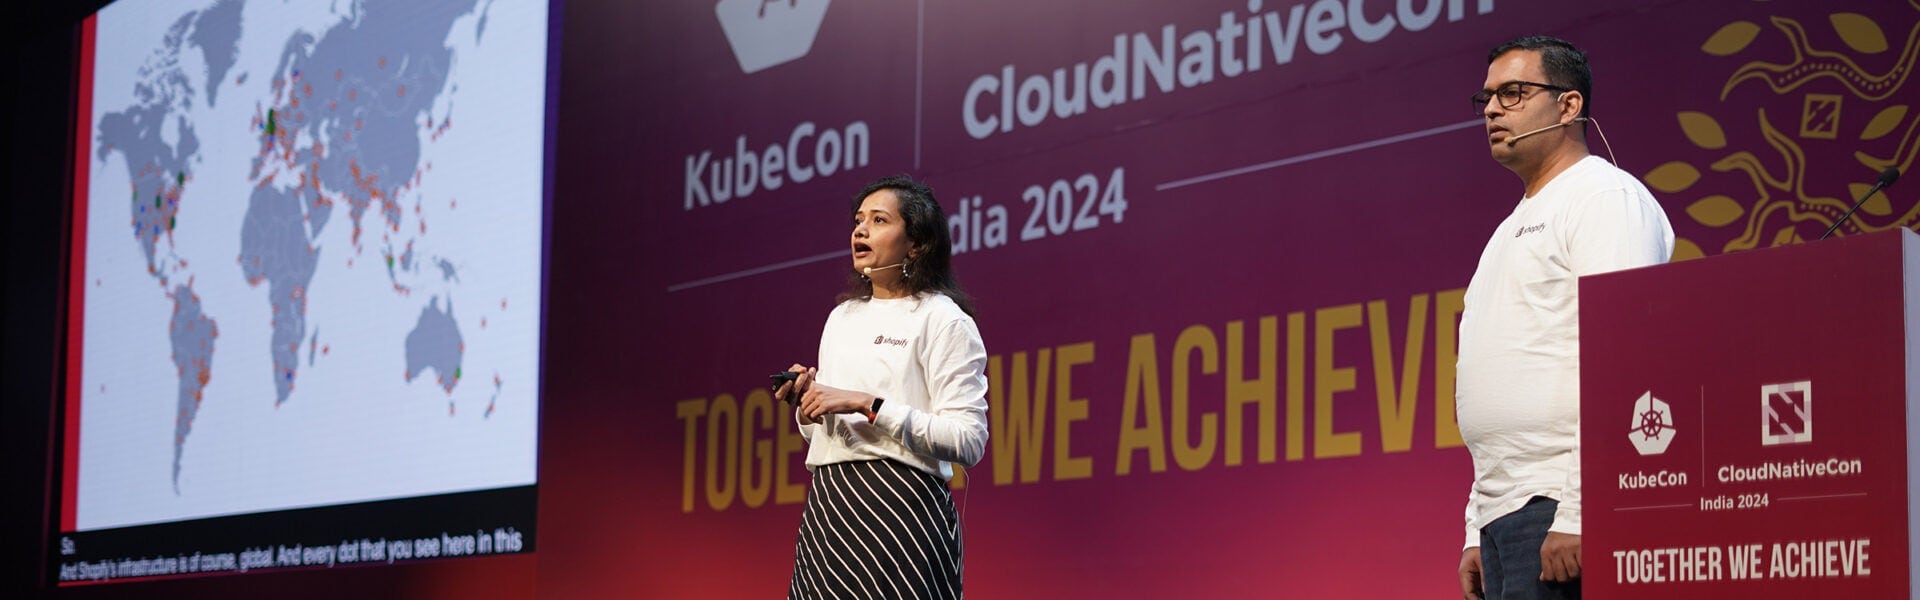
pixel 906 270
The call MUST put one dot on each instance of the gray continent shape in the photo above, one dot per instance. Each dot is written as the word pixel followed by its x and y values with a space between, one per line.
pixel 135 132
pixel 374 131
pixel 435 343
pixel 157 173
pixel 217 34
pixel 192 333
pixel 274 247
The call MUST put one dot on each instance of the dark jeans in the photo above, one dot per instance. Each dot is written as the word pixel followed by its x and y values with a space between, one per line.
pixel 1510 555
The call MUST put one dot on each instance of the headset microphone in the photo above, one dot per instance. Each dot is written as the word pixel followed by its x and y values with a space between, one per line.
pixel 870 270
pixel 1511 140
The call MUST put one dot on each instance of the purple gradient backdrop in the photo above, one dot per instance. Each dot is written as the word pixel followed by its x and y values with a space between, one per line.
pixel 646 85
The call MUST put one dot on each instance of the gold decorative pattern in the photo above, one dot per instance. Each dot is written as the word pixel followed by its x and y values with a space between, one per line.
pixel 1748 178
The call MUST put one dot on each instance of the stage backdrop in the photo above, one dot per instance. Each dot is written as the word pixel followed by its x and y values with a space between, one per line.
pixel 1218 249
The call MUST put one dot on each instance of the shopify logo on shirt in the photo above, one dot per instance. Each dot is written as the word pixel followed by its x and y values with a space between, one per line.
pixel 1536 228
pixel 881 339
pixel 1652 425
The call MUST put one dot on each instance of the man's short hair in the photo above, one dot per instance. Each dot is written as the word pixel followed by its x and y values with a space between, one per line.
pixel 1566 66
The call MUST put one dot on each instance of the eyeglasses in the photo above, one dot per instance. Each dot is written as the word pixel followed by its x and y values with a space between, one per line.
pixel 1510 94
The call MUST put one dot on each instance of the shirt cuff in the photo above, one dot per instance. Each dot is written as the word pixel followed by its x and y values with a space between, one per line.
pixel 889 416
pixel 1566 520
pixel 806 430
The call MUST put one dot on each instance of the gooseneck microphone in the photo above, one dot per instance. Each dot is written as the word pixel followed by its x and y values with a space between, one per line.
pixel 1887 177
pixel 871 270
pixel 1548 128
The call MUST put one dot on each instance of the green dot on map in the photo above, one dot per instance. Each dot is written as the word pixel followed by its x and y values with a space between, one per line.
pixel 456 372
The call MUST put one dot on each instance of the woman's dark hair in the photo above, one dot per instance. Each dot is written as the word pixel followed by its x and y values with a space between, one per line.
pixel 931 268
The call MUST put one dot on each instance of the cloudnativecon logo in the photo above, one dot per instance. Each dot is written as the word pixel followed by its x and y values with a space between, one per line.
pixel 1786 413
pixel 1193 52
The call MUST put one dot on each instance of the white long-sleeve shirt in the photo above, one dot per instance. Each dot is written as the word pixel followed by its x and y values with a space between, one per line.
pixel 925 357
pixel 1518 394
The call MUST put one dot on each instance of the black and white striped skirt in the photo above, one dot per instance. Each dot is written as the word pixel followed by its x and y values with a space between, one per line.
pixel 876 529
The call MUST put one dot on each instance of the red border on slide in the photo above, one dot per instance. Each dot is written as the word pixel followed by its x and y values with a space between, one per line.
pixel 77 278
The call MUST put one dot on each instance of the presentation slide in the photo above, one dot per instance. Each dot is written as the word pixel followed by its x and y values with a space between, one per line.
pixel 307 289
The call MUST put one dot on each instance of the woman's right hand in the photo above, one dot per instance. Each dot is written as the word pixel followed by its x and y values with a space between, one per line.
pixel 790 392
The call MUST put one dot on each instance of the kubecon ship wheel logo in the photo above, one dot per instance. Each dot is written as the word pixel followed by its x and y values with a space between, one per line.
pixel 765 33
pixel 1652 425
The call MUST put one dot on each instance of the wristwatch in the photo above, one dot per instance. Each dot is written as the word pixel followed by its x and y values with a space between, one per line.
pixel 873 411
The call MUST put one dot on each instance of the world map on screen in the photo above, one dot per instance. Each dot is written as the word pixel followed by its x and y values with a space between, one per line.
pixel 322 213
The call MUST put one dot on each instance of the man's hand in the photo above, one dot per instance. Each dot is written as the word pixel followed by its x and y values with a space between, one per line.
pixel 1470 573
pixel 1560 557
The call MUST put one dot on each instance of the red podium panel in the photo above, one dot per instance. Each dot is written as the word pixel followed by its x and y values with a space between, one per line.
pixel 1747 423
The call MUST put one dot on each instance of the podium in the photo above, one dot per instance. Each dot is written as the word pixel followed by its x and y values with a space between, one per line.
pixel 1748 424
